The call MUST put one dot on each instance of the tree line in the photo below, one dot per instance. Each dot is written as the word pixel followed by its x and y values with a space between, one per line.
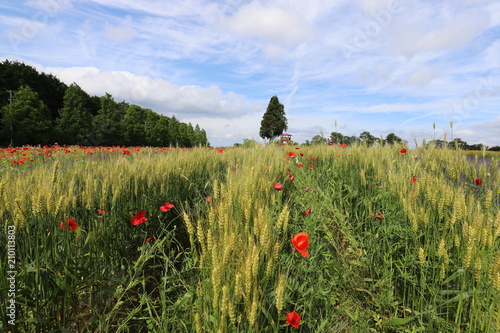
pixel 458 143
pixel 366 137
pixel 37 108
pixel 391 138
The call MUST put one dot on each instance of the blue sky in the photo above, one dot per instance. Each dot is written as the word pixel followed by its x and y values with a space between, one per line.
pixel 368 65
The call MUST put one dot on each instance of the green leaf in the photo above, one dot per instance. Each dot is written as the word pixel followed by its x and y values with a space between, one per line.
pixel 62 284
pixel 394 321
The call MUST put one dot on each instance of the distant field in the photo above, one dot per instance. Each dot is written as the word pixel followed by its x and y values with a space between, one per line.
pixel 494 154
pixel 263 239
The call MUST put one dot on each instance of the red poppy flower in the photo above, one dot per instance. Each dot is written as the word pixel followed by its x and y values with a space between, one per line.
pixel 402 151
pixel 414 180
pixel 310 166
pixel 291 154
pixel 139 218
pixel 70 225
pixel 307 212
pixel 293 318
pixel 301 241
pixel 148 239
pixel 330 143
pixel 220 150
pixel 343 145
pixel 292 178
pixel 300 165
pixel 313 158
pixel 278 186
pixel 478 181
pixel 100 211
pixel 166 207
pixel 379 216
pixel 125 152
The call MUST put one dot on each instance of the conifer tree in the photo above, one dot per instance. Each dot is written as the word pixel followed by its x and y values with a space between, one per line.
pixel 274 121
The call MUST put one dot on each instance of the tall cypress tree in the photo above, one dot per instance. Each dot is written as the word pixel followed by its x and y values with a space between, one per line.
pixel 274 121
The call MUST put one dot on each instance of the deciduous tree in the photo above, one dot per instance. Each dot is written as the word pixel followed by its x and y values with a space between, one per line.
pixel 318 139
pixel 106 125
pixel 74 122
pixel 134 126
pixel 367 137
pixel 26 120
pixel 392 138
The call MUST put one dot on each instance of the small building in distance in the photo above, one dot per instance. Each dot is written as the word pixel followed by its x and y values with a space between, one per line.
pixel 285 139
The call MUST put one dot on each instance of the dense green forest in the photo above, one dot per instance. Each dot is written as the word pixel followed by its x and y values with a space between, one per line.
pixel 37 108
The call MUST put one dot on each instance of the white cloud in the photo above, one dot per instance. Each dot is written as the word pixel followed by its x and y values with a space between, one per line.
pixel 158 94
pixel 270 23
pixel 494 10
pixel 274 51
pixel 492 55
pixel 492 126
pixel 374 5
pixel 421 76
pixel 119 34
pixel 221 131
pixel 487 133
pixel 412 36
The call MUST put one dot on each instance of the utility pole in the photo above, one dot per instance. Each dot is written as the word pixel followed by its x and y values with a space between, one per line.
pixel 10 103
pixel 10 95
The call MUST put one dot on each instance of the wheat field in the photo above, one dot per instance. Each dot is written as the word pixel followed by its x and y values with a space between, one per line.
pixel 262 239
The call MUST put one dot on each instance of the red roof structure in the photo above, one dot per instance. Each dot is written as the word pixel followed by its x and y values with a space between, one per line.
pixel 285 139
